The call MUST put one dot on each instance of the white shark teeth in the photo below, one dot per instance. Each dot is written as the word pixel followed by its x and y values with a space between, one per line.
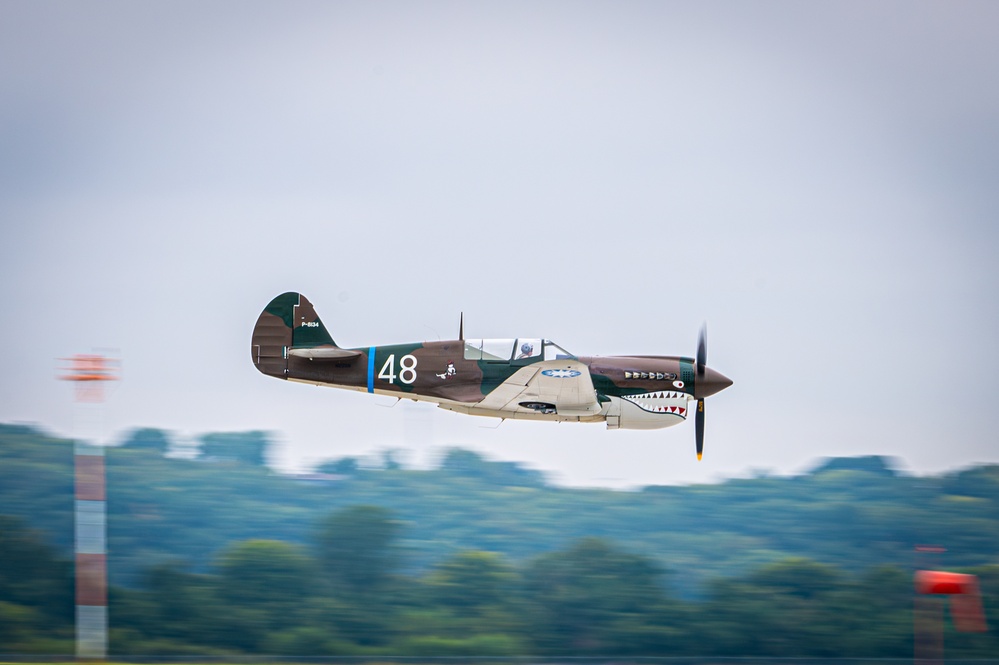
pixel 654 402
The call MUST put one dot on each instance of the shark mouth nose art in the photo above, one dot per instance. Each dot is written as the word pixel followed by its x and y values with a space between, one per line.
pixel 660 401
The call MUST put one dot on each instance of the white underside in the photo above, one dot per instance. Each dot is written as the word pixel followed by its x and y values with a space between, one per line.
pixel 647 411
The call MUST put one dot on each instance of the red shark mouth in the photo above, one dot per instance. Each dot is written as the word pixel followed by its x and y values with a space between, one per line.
pixel 661 401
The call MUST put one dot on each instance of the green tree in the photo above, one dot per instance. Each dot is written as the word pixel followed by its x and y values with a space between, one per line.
pixel 304 641
pixel 264 587
pixel 18 625
pixel 358 556
pixel 877 605
pixel 472 593
pixel 345 466
pixel 36 590
pixel 474 583
pixel 31 574
pixel 358 549
pixel 595 599
pixel 788 608
pixel 245 447
pixel 469 464
pixel 148 438
pixel 176 605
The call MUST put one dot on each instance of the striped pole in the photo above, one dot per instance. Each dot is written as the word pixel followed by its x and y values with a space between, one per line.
pixel 89 374
pixel 91 553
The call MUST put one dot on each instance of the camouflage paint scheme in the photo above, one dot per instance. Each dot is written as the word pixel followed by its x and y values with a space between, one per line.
pixel 548 383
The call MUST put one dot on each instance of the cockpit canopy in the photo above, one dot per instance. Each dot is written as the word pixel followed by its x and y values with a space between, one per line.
pixel 505 350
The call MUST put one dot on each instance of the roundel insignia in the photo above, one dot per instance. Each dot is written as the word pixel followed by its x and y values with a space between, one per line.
pixel 561 373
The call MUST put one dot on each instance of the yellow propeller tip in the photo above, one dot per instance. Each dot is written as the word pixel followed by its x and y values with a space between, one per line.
pixel 699 457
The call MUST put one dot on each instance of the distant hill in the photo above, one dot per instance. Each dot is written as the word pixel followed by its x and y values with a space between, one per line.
pixel 876 464
pixel 854 513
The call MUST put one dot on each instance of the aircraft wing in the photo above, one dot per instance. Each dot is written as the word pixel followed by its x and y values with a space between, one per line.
pixel 564 383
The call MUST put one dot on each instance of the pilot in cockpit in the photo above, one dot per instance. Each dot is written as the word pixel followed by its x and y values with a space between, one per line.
pixel 526 350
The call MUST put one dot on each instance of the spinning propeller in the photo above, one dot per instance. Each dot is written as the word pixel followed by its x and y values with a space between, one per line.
pixel 706 383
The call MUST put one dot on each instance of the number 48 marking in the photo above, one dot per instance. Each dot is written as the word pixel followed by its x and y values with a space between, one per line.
pixel 407 369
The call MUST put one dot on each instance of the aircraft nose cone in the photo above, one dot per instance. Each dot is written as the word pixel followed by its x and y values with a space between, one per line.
pixel 710 383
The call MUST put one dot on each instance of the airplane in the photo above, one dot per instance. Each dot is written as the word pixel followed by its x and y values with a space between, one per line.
pixel 523 378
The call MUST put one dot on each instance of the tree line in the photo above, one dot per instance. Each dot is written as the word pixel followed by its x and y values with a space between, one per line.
pixel 853 513
pixel 713 563
pixel 343 593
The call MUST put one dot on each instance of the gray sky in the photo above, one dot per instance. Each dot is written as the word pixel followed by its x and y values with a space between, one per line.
pixel 817 181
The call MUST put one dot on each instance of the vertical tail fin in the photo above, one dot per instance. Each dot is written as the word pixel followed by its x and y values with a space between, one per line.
pixel 288 321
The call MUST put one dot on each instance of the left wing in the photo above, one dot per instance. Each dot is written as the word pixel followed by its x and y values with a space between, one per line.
pixel 563 383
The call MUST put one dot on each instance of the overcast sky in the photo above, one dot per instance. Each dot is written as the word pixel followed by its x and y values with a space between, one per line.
pixel 819 182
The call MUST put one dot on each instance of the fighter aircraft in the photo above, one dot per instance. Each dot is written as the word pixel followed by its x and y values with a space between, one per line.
pixel 523 378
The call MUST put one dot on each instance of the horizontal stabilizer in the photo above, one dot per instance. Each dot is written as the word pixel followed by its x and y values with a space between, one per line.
pixel 324 353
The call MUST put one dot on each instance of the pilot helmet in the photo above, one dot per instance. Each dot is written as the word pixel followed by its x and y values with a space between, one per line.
pixel 526 348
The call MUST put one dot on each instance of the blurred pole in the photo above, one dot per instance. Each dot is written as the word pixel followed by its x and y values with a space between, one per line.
pixel 91 553
pixel 928 635
pixel 89 372
pixel 927 614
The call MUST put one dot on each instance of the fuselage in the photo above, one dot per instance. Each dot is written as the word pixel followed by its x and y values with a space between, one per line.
pixel 525 378
pixel 457 375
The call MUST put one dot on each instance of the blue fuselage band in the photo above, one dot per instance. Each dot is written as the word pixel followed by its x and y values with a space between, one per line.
pixel 371 369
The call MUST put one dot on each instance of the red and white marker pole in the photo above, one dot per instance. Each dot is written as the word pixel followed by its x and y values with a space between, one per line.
pixel 89 372
pixel 91 553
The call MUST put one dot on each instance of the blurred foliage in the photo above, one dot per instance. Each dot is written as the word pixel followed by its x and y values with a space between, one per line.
pixel 244 447
pixel 345 466
pixel 149 438
pixel 485 558
pixel 357 548
pixel 36 588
